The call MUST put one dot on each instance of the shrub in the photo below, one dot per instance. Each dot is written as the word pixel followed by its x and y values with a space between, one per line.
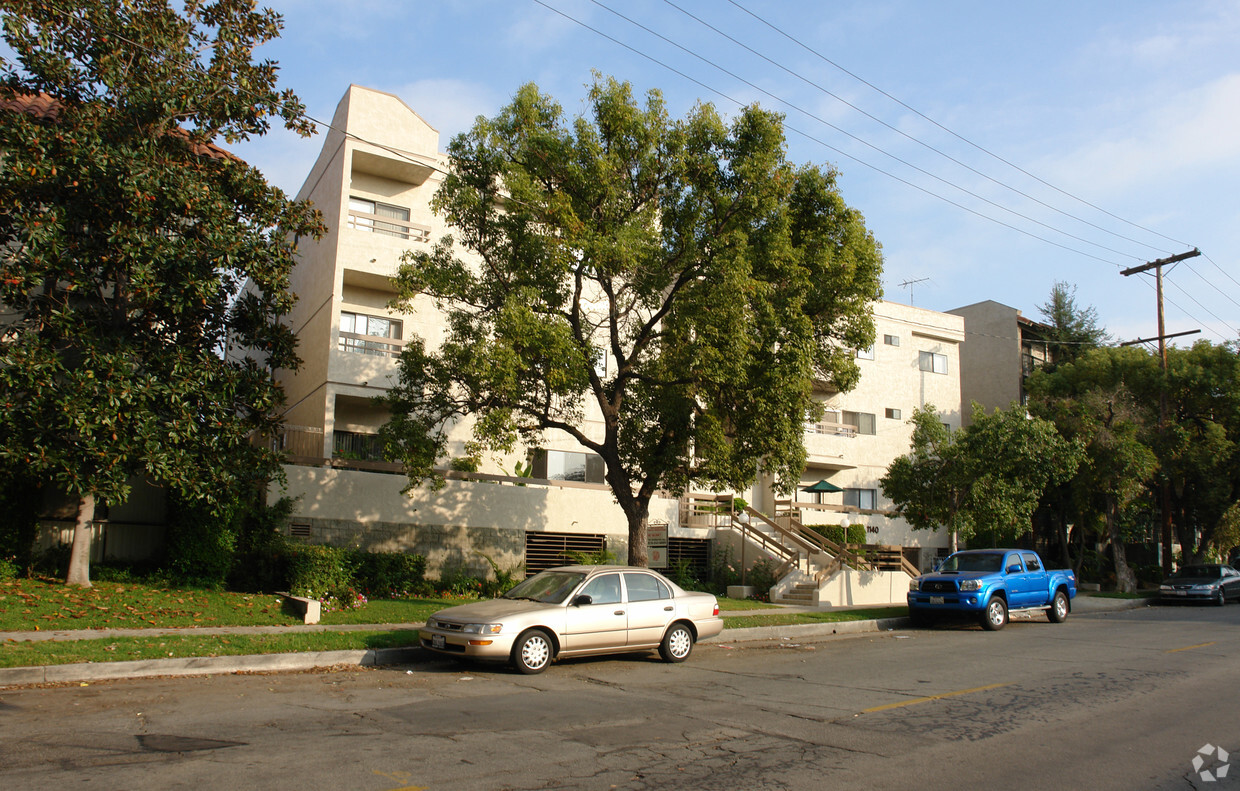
pixel 761 576
pixel 855 534
pixel 262 549
pixel 201 540
pixel 8 569
pixel 388 574
pixel 504 578
pixel 315 571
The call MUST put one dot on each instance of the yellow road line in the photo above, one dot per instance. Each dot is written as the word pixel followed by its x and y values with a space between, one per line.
pixel 1190 647
pixel 915 701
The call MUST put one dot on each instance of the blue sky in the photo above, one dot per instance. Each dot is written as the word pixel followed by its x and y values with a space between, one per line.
pixel 1127 113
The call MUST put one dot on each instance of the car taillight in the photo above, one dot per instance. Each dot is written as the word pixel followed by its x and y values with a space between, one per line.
pixel 716 612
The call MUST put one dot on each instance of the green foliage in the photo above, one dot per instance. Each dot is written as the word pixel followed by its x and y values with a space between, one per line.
pixel 336 573
pixel 201 540
pixel 599 557
pixel 261 547
pixel 719 282
pixel 761 575
pixel 8 568
pixel 1074 330
pixel 853 534
pixel 683 574
pixel 127 240
pixel 19 526
pixel 505 578
pixel 987 477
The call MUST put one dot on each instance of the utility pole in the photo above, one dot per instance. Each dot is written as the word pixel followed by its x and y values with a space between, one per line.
pixel 1164 489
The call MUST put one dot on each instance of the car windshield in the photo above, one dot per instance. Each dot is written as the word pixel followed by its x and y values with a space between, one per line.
pixel 987 562
pixel 550 587
pixel 1208 572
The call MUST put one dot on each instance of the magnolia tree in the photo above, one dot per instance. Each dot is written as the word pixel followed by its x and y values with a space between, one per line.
pixel 677 281
pixel 126 238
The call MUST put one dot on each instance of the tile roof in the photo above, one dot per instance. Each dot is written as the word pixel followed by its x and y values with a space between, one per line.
pixel 47 108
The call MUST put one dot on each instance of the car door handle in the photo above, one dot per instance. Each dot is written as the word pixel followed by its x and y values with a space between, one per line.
pixel 668 609
pixel 618 612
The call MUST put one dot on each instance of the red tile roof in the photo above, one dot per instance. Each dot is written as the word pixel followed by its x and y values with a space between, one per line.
pixel 47 108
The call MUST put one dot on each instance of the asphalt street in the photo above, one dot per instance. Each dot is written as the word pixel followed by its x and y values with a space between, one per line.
pixel 1123 699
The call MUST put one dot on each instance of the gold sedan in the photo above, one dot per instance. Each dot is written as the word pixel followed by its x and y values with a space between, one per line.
pixel 577 611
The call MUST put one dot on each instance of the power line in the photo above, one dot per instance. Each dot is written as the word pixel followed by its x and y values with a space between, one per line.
pixel 830 125
pixel 963 139
pixel 908 136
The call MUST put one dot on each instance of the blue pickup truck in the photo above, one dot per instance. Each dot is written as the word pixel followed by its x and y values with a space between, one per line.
pixel 990 583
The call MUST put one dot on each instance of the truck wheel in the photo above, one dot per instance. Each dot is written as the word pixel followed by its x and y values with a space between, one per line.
pixel 1058 611
pixel 995 616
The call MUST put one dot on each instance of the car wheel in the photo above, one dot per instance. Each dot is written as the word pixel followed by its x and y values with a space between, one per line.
pixel 532 652
pixel 677 644
pixel 995 616
pixel 1221 598
pixel 1058 611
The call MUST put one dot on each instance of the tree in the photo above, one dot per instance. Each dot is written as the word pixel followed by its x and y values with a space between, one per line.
pixel 1074 329
pixel 981 481
pixel 128 237
pixel 677 281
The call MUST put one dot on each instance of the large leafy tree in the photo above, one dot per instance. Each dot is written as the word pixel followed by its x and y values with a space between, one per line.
pixel 982 481
pixel 1092 401
pixel 127 238
pixel 677 281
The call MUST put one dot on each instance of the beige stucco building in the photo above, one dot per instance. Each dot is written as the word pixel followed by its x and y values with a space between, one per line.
pixel 373 181
pixel 1004 347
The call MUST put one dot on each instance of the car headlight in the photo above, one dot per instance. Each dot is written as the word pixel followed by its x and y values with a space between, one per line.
pixel 1204 587
pixel 1165 588
pixel 970 585
pixel 482 628
pixel 913 585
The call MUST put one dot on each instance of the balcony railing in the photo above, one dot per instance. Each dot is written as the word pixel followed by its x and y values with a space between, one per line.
pixel 831 429
pixel 388 226
pixel 375 345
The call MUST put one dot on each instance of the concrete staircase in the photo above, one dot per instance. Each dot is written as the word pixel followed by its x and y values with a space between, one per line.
pixel 803 593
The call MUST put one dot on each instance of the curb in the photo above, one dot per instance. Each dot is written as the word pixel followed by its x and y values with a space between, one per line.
pixel 204 665
pixel 800 630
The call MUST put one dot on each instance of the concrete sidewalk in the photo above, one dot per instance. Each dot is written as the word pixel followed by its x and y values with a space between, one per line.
pixel 259 663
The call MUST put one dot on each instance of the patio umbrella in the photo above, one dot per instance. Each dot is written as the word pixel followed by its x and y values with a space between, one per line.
pixel 820 487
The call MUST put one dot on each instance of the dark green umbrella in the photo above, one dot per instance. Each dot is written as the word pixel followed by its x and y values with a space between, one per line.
pixel 821 487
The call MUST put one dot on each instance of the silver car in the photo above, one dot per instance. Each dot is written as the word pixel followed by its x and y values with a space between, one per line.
pixel 577 611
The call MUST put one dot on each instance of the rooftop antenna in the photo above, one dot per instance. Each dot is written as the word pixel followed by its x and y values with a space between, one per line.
pixel 909 285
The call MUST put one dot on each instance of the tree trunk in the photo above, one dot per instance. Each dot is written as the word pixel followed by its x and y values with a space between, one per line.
pixel 1125 580
pixel 79 554
pixel 638 552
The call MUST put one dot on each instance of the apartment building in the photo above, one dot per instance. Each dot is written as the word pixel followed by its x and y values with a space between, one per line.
pixel 1004 348
pixel 378 169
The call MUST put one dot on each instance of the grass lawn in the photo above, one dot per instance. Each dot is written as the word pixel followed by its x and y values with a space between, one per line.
pixel 48 605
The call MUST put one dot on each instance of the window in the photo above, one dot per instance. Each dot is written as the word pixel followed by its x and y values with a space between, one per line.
pixel 644 587
pixel 370 326
pixel 1031 561
pixel 931 362
pixel 352 445
pixel 861 498
pixel 558 465
pixel 603 590
pixel 864 421
pixel 361 206
pixel 891 340
pixel 865 354
pixel 893 414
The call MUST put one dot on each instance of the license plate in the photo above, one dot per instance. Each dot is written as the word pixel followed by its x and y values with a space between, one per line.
pixel 1180 593
pixel 936 599
pixel 436 641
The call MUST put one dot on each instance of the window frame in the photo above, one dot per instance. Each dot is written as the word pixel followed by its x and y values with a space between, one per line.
pixel 934 359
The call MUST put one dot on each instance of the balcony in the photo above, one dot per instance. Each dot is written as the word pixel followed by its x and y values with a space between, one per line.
pixel 382 225
pixel 372 345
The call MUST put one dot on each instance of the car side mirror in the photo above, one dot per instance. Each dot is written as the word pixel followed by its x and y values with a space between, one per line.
pixel 1014 568
pixel 584 598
